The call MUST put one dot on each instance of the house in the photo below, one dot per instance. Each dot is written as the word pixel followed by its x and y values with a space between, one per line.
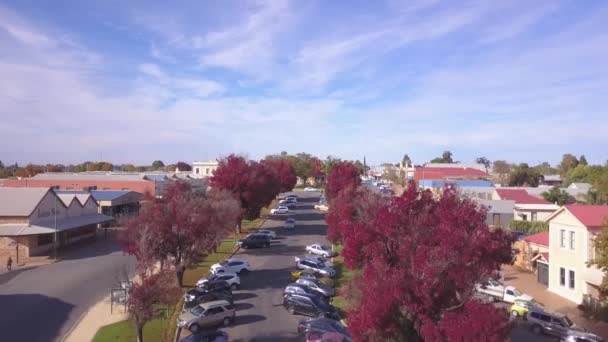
pixel 534 256
pixel 476 188
pixel 204 169
pixel 527 207
pixel 578 191
pixel 480 167
pixel 499 213
pixel 457 171
pixel 572 230
pixel 551 180
pixel 35 220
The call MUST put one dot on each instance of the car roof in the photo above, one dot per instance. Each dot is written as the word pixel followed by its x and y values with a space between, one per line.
pixel 213 304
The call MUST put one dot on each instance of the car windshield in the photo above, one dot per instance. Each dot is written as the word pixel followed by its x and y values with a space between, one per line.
pixel 224 263
pixel 321 264
pixel 567 321
pixel 197 310
pixel 516 292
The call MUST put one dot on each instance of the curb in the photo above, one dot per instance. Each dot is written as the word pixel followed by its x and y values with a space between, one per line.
pixel 74 326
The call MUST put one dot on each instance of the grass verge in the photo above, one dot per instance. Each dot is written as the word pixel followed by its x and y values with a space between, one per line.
pixel 343 276
pixel 125 331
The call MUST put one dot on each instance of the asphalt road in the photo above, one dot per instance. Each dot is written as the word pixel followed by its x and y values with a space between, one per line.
pixel 43 303
pixel 259 302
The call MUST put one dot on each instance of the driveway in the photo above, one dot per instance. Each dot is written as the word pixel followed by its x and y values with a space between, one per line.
pixel 43 303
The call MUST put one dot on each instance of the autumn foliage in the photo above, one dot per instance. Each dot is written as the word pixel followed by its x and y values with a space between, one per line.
pixel 420 259
pixel 181 228
pixel 252 183
pixel 284 172
pixel 343 175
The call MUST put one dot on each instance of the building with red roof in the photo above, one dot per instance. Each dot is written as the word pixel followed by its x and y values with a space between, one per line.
pixel 447 173
pixel 534 255
pixel 572 230
pixel 527 207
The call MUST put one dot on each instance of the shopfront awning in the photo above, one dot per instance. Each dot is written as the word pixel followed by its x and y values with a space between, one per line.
pixel 23 229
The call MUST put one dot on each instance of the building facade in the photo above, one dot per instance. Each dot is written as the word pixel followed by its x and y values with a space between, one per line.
pixel 204 169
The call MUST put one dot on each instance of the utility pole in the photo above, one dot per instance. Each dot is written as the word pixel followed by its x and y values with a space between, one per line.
pixel 55 215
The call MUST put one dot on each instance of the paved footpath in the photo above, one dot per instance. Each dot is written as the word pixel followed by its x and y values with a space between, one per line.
pixel 44 303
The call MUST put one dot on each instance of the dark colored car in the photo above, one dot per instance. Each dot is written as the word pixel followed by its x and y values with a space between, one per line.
pixel 210 286
pixel 255 241
pixel 309 305
pixel 320 324
pixel 207 297
pixel 207 336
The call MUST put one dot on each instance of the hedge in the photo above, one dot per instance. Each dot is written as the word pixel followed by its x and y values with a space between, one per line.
pixel 529 227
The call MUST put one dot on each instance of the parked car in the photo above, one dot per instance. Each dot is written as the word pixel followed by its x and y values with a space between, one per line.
pixel 292 198
pixel 318 286
pixel 237 266
pixel 318 267
pixel 580 336
pixel 254 241
pixel 550 323
pixel 206 297
pixel 313 257
pixel 321 324
pixel 496 291
pixel 295 288
pixel 290 223
pixel 211 286
pixel 311 274
pixel 288 204
pixel 520 307
pixel 267 232
pixel 231 278
pixel 322 207
pixel 310 306
pixel 207 315
pixel 207 336
pixel 310 189
pixel 319 249
pixel 315 336
pixel 281 210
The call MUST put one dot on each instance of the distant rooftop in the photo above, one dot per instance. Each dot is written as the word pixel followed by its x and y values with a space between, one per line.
pixel 520 196
pixel 20 201
pixel 462 183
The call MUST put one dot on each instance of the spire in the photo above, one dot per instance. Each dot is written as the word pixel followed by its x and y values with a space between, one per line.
pixel 364 166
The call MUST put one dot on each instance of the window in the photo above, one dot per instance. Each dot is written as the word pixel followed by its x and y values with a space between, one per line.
pixel 572 240
pixel 562 276
pixel 197 170
pixel 571 280
pixel 207 171
pixel 214 311
pixel 557 321
pixel 229 307
pixel 533 216
pixel 562 238
pixel 524 217
pixel 45 239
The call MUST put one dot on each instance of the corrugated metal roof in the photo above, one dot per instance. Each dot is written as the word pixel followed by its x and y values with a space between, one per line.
pixel 462 183
pixel 592 216
pixel 497 206
pixel 520 196
pixel 541 239
pixel 108 195
pixel 20 229
pixel 20 201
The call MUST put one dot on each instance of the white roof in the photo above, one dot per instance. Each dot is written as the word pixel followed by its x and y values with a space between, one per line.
pixel 497 206
pixel 20 201
pixel 90 176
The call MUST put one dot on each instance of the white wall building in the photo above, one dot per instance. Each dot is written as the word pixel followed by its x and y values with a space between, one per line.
pixel 204 169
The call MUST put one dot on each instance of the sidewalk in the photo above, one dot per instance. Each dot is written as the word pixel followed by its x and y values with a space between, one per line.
pixel 526 282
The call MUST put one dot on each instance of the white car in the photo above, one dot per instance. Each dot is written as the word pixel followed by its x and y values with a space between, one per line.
pixel 290 223
pixel 319 249
pixel 280 210
pixel 322 207
pixel 310 189
pixel 230 266
pixel 266 232
pixel 232 278
pixel 316 258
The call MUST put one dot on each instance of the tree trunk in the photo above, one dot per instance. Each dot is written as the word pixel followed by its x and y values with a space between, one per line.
pixel 179 272
pixel 140 333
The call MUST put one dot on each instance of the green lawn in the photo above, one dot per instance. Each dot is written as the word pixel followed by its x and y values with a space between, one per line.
pixel 125 331
pixel 155 330
pixel 343 275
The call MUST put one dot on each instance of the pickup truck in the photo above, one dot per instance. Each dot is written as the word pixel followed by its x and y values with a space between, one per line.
pixel 495 291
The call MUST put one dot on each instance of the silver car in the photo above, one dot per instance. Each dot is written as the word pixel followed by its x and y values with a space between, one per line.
pixel 580 336
pixel 207 315
pixel 550 323
pixel 316 266
pixel 316 285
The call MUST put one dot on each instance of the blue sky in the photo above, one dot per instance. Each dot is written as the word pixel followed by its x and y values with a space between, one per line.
pixel 135 81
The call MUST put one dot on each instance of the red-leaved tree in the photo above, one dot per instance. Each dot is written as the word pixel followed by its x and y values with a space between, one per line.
pixel 147 296
pixel 182 227
pixel 285 172
pixel 253 184
pixel 420 259
pixel 343 175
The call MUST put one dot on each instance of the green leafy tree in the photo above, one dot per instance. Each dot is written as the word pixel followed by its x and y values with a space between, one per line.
pixel 556 195
pixel 601 256
pixel 485 161
pixel 329 164
pixel 158 164
pixel 568 163
pixel 524 175
pixel 446 157
pixel 545 168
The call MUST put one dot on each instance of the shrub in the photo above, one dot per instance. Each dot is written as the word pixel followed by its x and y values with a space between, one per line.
pixel 529 227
